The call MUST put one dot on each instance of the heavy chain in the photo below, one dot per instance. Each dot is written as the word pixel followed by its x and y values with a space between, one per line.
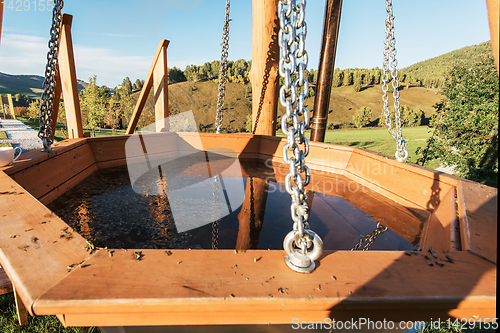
pixel 369 239
pixel 223 70
pixel 45 131
pixel 215 224
pixel 390 56
pixel 293 61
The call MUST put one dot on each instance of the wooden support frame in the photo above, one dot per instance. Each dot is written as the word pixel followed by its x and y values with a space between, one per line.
pixel 66 82
pixel 383 284
pixel 157 76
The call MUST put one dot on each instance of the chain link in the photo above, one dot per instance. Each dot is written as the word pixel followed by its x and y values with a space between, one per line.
pixel 369 239
pixel 293 62
pixel 215 224
pixel 390 58
pixel 45 130
pixel 223 70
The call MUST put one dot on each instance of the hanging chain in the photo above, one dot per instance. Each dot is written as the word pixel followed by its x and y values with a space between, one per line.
pixel 215 224
pixel 390 52
pixel 223 70
pixel 293 61
pixel 369 239
pixel 45 131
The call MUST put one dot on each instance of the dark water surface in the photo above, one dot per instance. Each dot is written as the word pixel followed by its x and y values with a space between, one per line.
pixel 106 209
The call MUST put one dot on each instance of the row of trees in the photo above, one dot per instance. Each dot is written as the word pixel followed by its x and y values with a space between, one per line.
pixel 409 117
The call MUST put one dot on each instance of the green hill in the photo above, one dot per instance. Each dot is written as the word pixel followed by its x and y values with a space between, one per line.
pixel 29 85
pixel 433 69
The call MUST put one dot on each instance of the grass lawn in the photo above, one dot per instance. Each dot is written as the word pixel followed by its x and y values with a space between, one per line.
pixel 379 140
pixel 3 136
pixel 42 324
pixel 59 136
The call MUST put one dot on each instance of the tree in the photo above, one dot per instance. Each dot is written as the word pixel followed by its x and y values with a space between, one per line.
pixel 347 80
pixel 337 78
pixel 33 111
pixel 357 82
pixel 466 125
pixel 175 75
pixel 362 116
pixel 93 100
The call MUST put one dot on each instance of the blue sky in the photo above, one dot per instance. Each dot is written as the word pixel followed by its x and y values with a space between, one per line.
pixel 118 38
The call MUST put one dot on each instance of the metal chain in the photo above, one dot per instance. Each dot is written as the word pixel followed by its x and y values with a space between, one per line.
pixel 369 239
pixel 215 224
pixel 45 131
pixel 390 52
pixel 223 70
pixel 293 61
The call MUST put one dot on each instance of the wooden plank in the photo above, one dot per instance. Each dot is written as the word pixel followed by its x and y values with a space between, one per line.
pixel 478 219
pixel 49 174
pixel 33 157
pixel 439 233
pixel 392 178
pixel 160 88
pixel 71 182
pixel 67 72
pixel 32 252
pixel 141 101
pixel 107 149
pixel 180 285
pixel 264 72
pixel 5 284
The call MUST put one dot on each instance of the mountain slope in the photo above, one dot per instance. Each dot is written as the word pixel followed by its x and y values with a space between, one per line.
pixel 29 85
pixel 434 68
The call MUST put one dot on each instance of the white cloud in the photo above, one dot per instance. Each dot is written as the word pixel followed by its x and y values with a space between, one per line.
pixel 25 54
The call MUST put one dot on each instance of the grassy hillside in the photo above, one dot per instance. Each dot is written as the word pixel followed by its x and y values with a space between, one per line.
pixel 201 98
pixel 29 85
pixel 344 101
pixel 436 67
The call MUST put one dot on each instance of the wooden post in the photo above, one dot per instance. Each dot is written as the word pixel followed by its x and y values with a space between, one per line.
pixel 22 316
pixel 264 72
pixel 493 17
pixel 67 74
pixel 248 231
pixel 160 85
pixel 11 105
pixel 141 101
pixel 325 69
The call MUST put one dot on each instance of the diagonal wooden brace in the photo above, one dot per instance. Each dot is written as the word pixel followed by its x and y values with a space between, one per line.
pixel 157 77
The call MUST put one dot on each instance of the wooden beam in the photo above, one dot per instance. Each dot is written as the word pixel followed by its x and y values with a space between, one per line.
pixel 160 85
pixel 145 89
pixel 264 72
pixel 493 18
pixel 67 73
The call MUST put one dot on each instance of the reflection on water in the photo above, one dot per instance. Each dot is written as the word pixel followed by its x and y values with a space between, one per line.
pixel 105 209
